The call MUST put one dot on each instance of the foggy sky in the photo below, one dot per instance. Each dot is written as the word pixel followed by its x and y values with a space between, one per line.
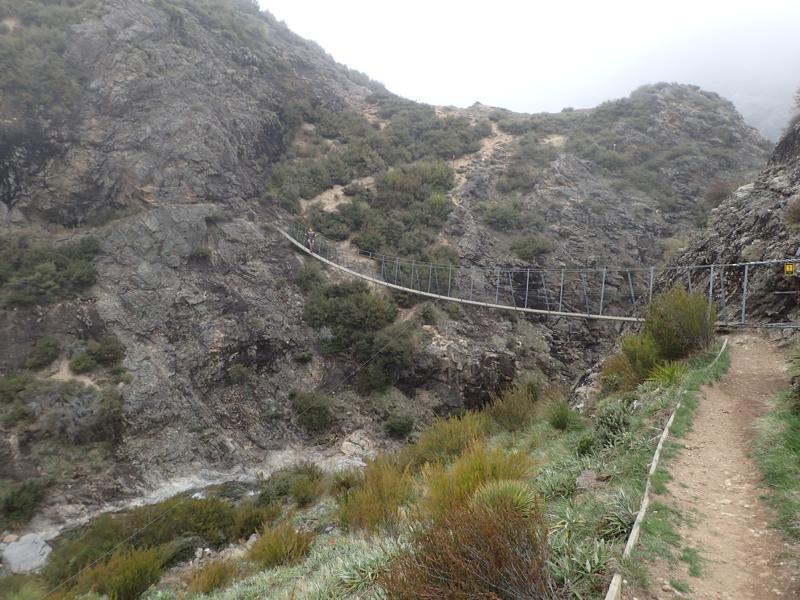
pixel 533 56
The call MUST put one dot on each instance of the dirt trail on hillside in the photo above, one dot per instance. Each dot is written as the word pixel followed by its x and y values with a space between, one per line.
pixel 715 487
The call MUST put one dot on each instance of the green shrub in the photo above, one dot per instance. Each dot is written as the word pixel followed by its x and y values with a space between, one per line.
pixel 37 273
pixel 82 363
pixel 445 439
pixel 531 247
pixel 345 480
pixel 43 353
pixel 617 374
pixel 453 310
pixel 611 421
pixel 210 519
pixel 251 518
pixel 585 444
pixel 561 416
pixel 376 501
pixel 399 426
pixel 107 351
pixel 213 575
pixel 280 545
pixel 350 312
pixel 306 490
pixel 20 502
pixel 515 408
pixel 680 323
pixel 309 276
pixel 303 357
pixel 126 575
pixel 314 411
pixel 642 353
pixel 201 253
pixel 427 314
pixel 448 487
pixel 303 479
pixel 239 373
pixel 620 512
pixel 22 587
pixel 475 552
pixel 12 386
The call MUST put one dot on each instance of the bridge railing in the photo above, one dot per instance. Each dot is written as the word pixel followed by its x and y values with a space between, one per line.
pixel 595 292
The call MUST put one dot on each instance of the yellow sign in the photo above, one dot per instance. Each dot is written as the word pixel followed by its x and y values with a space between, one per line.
pixel 788 269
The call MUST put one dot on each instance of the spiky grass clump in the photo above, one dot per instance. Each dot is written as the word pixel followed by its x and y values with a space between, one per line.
pixel 446 439
pixel 668 374
pixel 509 494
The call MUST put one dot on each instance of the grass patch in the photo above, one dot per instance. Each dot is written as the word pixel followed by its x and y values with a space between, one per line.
pixel 777 453
pixel 693 560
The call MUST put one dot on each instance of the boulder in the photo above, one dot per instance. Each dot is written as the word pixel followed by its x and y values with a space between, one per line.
pixel 29 553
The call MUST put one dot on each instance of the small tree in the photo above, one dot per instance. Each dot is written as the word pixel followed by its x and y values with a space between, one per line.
pixel 680 323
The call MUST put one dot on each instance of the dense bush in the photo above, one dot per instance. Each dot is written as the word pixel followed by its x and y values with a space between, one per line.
pixel 251 518
pixel 210 519
pixel 43 353
pixel 399 426
pixel 308 276
pixel 680 323
pixel 201 253
pixel 82 363
pixel 475 552
pixel 449 487
pixel 298 482
pixel 126 575
pixel 107 351
pixel 515 408
pixel 351 313
pixel 20 502
pixel 375 501
pixel 314 411
pixel 531 247
pixel 641 352
pixel 561 416
pixel 445 439
pixel 280 545
pixel 35 273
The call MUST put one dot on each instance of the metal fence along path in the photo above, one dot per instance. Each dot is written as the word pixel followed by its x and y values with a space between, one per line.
pixel 603 293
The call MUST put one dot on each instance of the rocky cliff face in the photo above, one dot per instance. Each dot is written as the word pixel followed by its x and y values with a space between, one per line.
pixel 759 222
pixel 176 115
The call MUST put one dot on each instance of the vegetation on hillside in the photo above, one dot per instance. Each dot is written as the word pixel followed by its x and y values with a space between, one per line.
pixel 462 511
pixel 32 272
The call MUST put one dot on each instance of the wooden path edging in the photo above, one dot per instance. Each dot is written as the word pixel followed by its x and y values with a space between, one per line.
pixel 615 587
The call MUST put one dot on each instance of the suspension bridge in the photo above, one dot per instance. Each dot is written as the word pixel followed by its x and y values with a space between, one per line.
pixel 600 293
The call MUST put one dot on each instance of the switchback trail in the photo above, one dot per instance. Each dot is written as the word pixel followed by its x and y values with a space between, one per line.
pixel 715 487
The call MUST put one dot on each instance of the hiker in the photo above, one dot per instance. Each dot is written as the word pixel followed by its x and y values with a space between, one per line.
pixel 310 238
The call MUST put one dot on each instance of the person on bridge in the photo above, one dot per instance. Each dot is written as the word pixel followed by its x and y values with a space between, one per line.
pixel 310 239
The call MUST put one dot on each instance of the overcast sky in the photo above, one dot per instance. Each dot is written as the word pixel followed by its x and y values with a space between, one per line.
pixel 532 56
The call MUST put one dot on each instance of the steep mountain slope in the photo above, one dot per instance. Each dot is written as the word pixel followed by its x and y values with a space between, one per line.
pixel 168 130
pixel 758 222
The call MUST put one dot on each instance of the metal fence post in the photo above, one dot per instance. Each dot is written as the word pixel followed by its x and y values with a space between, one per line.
pixel 527 282
pixel 497 288
pixel 602 291
pixel 412 274
pixel 650 289
pixel 744 294
pixel 561 292
pixel 430 277
pixel 544 287
pixel 449 278
pixel 710 289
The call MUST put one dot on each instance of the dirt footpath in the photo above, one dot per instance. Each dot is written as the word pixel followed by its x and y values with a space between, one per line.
pixel 715 487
